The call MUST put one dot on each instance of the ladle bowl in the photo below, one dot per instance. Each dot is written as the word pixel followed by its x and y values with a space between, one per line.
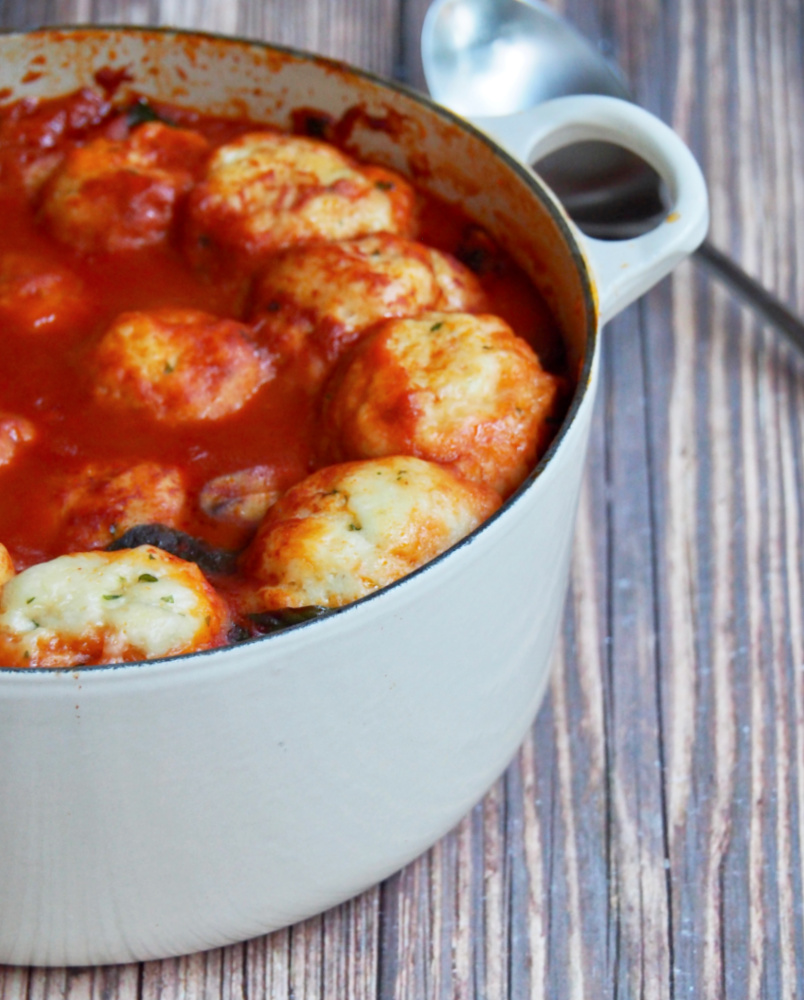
pixel 495 57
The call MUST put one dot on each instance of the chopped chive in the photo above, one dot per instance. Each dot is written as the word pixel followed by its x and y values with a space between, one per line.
pixel 30 600
pixel 112 597
pixel 168 599
pixel 146 578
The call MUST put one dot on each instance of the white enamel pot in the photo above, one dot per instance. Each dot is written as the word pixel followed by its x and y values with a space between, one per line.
pixel 153 809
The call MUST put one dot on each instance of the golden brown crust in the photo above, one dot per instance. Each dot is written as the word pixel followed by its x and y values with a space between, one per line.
pixel 454 388
pixel 101 501
pixel 351 528
pixel 265 191
pixel 182 365
pixel 311 302
pixel 309 257
pixel 110 196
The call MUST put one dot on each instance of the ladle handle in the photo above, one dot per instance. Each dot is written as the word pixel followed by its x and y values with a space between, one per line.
pixel 621 270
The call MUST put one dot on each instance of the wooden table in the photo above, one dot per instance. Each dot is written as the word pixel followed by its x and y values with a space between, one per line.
pixel 647 839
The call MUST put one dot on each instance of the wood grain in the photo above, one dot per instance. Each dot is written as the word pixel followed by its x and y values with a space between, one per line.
pixel 646 842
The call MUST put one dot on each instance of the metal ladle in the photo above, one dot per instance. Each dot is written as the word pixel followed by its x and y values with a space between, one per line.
pixel 497 57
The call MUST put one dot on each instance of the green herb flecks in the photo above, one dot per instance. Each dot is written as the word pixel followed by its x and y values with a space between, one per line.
pixel 141 112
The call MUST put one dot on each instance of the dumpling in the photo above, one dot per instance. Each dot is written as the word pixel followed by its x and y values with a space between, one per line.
pixel 113 195
pixel 108 607
pixel 311 302
pixel 102 500
pixel 182 365
pixel 454 388
pixel 348 529
pixel 264 191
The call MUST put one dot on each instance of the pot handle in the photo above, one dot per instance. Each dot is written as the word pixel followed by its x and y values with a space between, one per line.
pixel 622 270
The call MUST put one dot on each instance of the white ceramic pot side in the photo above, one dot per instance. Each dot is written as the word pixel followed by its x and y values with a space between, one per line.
pixel 163 808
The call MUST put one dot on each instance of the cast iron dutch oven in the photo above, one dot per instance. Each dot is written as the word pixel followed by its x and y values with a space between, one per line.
pixel 158 808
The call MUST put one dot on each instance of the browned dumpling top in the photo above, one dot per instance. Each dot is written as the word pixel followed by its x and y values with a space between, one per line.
pixel 100 501
pixel 265 190
pixel 454 388
pixel 182 365
pixel 311 302
pixel 349 529
pixel 115 195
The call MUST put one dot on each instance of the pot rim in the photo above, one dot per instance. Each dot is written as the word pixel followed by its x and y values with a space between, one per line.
pixel 536 187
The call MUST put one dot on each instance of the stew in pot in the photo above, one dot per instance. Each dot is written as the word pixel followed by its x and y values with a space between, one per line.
pixel 247 379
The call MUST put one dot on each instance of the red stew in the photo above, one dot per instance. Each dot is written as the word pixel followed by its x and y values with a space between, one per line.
pixel 46 375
